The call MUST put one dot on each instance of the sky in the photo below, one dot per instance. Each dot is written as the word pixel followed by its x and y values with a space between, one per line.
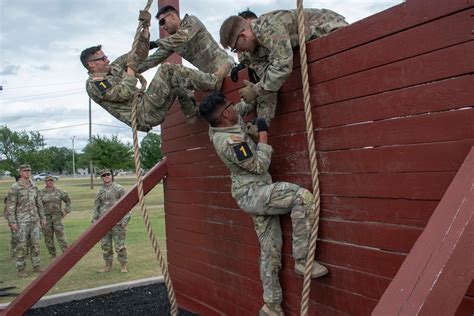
pixel 43 81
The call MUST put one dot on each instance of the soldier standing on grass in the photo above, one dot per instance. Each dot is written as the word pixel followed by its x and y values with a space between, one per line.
pixel 25 215
pixel 257 195
pixel 106 197
pixel 52 199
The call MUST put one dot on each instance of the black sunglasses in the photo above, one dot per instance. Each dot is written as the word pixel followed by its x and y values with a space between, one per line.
pixel 103 58
pixel 162 21
pixel 105 175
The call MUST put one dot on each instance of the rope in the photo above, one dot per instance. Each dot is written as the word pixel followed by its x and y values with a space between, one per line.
pixel 141 199
pixel 312 158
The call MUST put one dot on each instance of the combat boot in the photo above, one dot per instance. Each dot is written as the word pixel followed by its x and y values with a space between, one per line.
pixel 22 273
pixel 38 269
pixel 269 309
pixel 318 269
pixel 107 268
pixel 123 267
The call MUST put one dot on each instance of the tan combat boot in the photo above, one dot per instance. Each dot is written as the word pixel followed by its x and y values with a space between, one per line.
pixel 107 268
pixel 123 267
pixel 269 309
pixel 22 273
pixel 318 269
pixel 38 269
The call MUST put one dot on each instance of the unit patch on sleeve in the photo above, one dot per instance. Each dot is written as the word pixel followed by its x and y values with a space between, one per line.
pixel 103 85
pixel 242 151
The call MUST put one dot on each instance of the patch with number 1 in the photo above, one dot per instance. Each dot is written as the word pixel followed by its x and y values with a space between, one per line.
pixel 242 151
pixel 103 85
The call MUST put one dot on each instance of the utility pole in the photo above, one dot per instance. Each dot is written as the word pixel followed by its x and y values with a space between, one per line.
pixel 91 170
pixel 73 162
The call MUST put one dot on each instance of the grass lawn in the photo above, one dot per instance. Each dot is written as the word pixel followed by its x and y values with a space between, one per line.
pixel 142 260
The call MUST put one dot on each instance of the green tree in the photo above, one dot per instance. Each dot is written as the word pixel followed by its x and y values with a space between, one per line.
pixel 58 159
pixel 18 148
pixel 150 151
pixel 109 153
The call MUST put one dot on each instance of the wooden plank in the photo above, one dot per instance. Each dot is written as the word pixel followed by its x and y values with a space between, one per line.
pixel 398 18
pixel 442 259
pixel 192 305
pixel 437 127
pixel 466 308
pixel 395 211
pixel 186 143
pixel 445 32
pixel 447 94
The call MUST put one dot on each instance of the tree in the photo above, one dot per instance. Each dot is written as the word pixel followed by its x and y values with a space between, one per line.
pixel 59 159
pixel 150 151
pixel 109 153
pixel 18 148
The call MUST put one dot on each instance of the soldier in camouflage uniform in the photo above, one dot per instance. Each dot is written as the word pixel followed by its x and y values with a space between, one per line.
pixel 257 195
pixel 106 197
pixel 190 39
pixel 25 215
pixel 112 86
pixel 270 40
pixel 52 199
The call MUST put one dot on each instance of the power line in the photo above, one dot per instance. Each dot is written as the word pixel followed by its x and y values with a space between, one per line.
pixel 69 126
pixel 43 85
pixel 41 96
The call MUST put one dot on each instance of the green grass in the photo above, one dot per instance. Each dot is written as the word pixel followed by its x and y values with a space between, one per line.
pixel 142 260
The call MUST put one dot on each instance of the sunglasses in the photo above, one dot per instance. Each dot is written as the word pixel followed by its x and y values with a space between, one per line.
pixel 103 58
pixel 162 21
pixel 105 175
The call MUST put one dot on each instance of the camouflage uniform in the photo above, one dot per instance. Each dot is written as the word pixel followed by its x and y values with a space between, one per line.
pixel 14 235
pixel 254 192
pixel 106 197
pixel 277 34
pixel 51 199
pixel 194 43
pixel 24 208
pixel 113 91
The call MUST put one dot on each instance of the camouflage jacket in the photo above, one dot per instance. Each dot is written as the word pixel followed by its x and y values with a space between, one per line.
pixel 277 35
pixel 24 203
pixel 247 161
pixel 194 43
pixel 113 90
pixel 52 202
pixel 106 197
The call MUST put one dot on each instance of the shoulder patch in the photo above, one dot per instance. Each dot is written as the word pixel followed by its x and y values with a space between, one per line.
pixel 242 151
pixel 235 138
pixel 103 85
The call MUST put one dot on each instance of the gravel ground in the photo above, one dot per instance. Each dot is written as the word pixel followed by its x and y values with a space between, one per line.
pixel 144 300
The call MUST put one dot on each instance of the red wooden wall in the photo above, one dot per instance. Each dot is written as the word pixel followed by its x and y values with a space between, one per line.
pixel 393 108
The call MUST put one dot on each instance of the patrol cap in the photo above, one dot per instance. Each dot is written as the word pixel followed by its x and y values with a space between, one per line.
pixel 230 30
pixel 104 171
pixel 49 178
pixel 25 167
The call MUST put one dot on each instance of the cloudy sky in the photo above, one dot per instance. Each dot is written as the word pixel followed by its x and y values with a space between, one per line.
pixel 43 80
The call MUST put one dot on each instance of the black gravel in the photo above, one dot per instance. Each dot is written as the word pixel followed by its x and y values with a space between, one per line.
pixel 144 300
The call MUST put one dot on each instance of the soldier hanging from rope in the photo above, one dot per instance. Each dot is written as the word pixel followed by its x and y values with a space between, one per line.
pixel 111 85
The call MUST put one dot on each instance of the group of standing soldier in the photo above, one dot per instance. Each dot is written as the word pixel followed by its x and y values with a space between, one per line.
pixel 29 210
pixel 265 45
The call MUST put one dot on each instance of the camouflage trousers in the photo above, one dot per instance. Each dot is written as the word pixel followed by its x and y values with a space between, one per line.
pixel 173 82
pixel 13 243
pixel 54 226
pixel 28 240
pixel 264 203
pixel 117 236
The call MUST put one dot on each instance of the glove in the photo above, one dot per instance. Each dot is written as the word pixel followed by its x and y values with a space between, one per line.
pixel 145 17
pixel 250 92
pixel 234 73
pixel 253 77
pixel 261 124
pixel 153 45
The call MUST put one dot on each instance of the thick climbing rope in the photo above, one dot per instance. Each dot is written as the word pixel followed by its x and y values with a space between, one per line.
pixel 141 198
pixel 312 158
